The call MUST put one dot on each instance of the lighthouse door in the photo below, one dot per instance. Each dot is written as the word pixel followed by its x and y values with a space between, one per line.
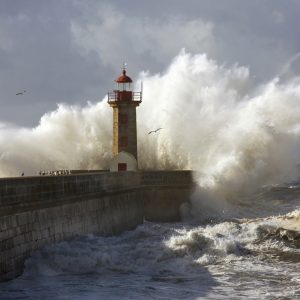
pixel 122 167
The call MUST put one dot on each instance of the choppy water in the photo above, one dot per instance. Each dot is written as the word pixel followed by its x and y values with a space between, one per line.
pixel 220 258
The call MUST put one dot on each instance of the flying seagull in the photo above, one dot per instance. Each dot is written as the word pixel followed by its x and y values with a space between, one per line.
pixel 21 93
pixel 154 131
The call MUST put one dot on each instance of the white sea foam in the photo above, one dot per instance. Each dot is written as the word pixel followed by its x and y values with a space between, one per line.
pixel 156 249
pixel 235 135
pixel 69 138
pixel 225 260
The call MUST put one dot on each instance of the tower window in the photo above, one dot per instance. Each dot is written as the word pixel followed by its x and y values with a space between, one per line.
pixel 123 141
pixel 123 118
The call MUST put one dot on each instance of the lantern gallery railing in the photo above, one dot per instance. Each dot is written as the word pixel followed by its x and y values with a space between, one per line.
pixel 124 96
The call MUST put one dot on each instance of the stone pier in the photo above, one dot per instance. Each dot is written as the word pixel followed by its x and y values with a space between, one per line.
pixel 37 211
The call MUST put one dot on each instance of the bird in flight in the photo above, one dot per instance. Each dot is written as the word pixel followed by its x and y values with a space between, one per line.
pixel 154 131
pixel 21 93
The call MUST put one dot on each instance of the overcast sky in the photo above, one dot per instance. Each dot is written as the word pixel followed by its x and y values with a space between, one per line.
pixel 70 51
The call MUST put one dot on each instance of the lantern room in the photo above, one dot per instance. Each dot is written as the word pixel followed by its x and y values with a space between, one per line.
pixel 124 91
pixel 124 82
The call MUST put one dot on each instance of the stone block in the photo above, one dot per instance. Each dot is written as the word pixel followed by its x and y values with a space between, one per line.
pixel 4 235
pixel 3 224
pixel 45 233
pixel 6 244
pixel 28 237
pixel 6 255
pixel 19 239
pixel 22 219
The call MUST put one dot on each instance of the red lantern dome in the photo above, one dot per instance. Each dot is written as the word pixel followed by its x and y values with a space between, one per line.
pixel 124 78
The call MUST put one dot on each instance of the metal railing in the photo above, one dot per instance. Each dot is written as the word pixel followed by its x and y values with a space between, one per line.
pixel 124 96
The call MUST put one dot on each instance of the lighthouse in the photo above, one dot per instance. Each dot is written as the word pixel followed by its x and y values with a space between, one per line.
pixel 124 103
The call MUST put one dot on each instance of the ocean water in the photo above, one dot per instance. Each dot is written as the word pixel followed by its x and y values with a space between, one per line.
pixel 218 257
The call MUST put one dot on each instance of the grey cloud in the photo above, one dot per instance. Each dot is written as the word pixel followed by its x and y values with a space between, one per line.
pixel 70 50
pixel 147 43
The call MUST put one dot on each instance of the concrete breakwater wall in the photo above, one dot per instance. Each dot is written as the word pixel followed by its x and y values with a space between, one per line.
pixel 36 211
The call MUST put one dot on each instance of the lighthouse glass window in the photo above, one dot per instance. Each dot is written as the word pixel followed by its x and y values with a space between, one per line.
pixel 124 86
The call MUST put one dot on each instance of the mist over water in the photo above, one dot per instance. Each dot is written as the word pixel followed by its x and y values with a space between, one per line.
pixel 235 135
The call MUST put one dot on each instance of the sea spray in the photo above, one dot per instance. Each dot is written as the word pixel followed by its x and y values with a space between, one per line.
pixel 70 137
pixel 235 135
